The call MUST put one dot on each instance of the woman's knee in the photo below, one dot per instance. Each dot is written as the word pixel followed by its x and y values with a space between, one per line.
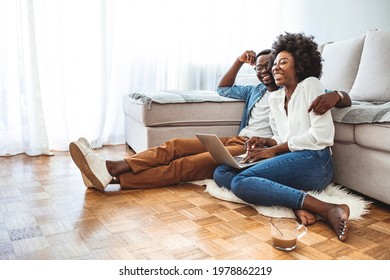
pixel 223 176
pixel 236 184
pixel 219 173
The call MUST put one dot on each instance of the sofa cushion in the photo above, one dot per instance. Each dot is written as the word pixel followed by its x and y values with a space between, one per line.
pixel 341 63
pixel 183 114
pixel 363 170
pixel 363 112
pixel 374 136
pixel 344 133
pixel 140 137
pixel 372 80
pixel 321 46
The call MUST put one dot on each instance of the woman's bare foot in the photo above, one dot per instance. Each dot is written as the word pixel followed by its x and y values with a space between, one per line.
pixel 336 215
pixel 338 219
pixel 305 217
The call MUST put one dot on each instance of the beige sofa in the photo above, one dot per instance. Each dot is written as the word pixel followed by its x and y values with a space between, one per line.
pixel 361 152
pixel 360 66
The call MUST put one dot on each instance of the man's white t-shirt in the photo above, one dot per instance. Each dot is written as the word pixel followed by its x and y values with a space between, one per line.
pixel 258 124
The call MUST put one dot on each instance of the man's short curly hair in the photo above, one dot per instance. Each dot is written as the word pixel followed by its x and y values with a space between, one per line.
pixel 264 52
pixel 308 61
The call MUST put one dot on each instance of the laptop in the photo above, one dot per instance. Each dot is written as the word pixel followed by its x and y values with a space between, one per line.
pixel 219 152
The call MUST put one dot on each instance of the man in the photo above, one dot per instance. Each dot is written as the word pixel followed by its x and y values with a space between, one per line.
pixel 181 159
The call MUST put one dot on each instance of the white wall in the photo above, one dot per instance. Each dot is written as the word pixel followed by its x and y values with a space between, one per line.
pixel 326 20
pixel 334 20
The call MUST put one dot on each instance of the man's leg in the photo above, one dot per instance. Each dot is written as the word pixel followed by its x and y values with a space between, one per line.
pixel 172 150
pixel 187 168
pixel 164 154
pixel 190 168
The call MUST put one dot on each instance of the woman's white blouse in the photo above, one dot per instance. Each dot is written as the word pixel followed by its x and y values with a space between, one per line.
pixel 300 129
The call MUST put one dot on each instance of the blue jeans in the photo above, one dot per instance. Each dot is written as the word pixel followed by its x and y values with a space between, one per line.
pixel 281 180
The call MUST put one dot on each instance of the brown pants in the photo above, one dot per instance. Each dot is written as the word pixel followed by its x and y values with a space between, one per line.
pixel 175 161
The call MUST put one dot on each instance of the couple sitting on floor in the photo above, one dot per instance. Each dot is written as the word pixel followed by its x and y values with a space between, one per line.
pixel 286 121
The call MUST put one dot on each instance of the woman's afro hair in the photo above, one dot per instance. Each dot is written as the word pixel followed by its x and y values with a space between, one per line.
pixel 308 61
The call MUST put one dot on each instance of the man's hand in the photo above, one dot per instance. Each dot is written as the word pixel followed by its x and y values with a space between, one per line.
pixel 230 77
pixel 323 103
pixel 248 57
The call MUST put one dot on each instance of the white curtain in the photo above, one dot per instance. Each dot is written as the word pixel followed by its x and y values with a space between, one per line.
pixel 22 123
pixel 65 65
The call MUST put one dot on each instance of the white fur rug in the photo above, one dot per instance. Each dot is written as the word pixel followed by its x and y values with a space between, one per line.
pixel 332 193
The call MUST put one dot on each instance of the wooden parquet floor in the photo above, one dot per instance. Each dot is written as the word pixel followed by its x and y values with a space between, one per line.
pixel 47 213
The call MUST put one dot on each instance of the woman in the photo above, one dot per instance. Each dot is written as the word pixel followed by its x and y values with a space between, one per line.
pixel 298 156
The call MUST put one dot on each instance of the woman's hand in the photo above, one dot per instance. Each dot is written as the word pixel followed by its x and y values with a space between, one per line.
pixel 258 142
pixel 263 152
pixel 255 142
pixel 258 148
pixel 258 153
